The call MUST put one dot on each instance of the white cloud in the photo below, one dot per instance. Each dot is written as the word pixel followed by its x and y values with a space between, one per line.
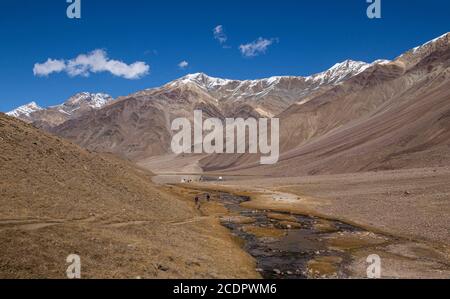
pixel 219 34
pixel 183 65
pixel 49 67
pixel 256 47
pixel 95 62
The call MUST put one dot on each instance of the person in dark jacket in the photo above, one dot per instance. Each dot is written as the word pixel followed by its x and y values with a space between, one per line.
pixel 197 202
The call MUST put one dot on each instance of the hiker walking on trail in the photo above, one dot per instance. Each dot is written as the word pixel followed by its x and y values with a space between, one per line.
pixel 197 202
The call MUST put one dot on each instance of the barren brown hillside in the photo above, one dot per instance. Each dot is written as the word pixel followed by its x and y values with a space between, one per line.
pixel 57 199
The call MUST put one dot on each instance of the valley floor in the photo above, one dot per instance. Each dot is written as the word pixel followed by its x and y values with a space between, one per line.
pixel 409 208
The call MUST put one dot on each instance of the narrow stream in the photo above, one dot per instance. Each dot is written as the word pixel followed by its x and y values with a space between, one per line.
pixel 282 248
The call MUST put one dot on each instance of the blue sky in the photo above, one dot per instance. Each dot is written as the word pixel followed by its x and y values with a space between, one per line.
pixel 305 37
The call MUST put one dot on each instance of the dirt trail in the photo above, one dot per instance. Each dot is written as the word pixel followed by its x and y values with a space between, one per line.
pixel 144 222
pixel 193 220
pixel 36 224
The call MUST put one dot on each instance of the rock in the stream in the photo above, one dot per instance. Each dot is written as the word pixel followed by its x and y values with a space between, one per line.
pixel 289 225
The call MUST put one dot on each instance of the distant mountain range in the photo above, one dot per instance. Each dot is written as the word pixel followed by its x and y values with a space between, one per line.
pixel 355 116
pixel 222 89
pixel 74 107
pixel 138 126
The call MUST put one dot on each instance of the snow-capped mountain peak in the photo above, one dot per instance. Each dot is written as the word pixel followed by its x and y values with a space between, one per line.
pixel 25 110
pixel 443 38
pixel 381 62
pixel 93 100
pixel 202 80
pixel 340 72
pixel 415 55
